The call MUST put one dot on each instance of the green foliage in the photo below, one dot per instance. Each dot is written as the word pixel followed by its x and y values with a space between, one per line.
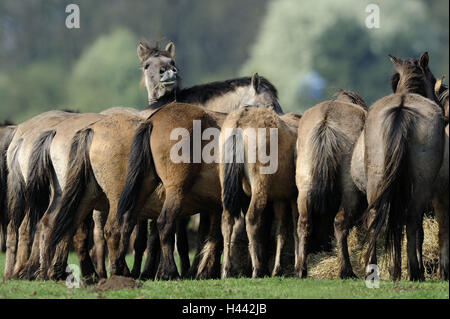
pixel 331 38
pixel 32 90
pixel 283 40
pixel 107 75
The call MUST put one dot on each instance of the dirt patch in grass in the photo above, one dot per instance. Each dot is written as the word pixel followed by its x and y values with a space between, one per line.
pixel 116 283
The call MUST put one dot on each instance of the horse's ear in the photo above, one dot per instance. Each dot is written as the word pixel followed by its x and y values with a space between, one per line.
pixel 170 48
pixel 423 60
pixel 394 59
pixel 142 52
pixel 256 82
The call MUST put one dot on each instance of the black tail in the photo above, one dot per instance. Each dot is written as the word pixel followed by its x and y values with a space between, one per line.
pixel 16 189
pixel 77 178
pixel 394 191
pixel 139 162
pixel 5 140
pixel 40 175
pixel 233 169
pixel 324 197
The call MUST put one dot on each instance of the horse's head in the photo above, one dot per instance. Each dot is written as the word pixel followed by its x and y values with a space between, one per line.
pixel 413 76
pixel 159 72
pixel 261 93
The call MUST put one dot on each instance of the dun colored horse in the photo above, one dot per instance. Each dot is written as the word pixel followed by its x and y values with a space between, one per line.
pixel 401 167
pixel 327 134
pixel 243 176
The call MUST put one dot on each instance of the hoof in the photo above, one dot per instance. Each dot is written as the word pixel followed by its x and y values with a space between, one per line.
pixel 349 274
pixel 168 275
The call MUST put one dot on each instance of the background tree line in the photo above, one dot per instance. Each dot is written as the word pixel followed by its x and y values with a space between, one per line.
pixel 307 48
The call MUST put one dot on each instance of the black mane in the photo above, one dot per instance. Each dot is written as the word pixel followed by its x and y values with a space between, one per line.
pixel 200 94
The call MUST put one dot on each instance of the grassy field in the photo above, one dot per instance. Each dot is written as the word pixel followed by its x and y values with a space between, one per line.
pixel 231 288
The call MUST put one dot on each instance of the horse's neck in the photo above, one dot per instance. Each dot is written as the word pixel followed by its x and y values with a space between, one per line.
pixel 226 102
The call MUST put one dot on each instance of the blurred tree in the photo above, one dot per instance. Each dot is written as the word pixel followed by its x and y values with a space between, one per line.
pixel 330 39
pixel 212 37
pixel 34 89
pixel 107 74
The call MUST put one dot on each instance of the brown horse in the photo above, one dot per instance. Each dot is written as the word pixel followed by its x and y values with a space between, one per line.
pixel 327 134
pixel 241 175
pixel 441 189
pixel 401 167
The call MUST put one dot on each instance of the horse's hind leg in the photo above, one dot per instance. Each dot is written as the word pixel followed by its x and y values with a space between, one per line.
pixel 255 230
pixel 183 245
pixel 153 253
pixel 304 231
pixel 117 246
pixel 413 220
pixel 420 237
pixel 23 246
pixel 16 204
pixel 140 244
pixel 81 245
pixel 352 208
pixel 202 234
pixel 227 229
pixel 99 242
pixel 57 268
pixel 280 212
pixel 31 269
pixel 209 266
pixel 441 210
pixel 166 227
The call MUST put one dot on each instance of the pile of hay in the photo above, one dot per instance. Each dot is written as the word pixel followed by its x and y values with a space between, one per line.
pixel 325 265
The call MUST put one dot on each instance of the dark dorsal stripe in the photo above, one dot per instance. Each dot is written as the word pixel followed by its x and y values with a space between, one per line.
pixel 350 96
pixel 200 94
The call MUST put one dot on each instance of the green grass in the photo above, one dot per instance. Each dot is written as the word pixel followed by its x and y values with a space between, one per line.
pixel 231 288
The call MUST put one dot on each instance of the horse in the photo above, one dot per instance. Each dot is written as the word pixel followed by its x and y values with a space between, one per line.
pixel 7 130
pixel 18 156
pixel 327 197
pixel 441 189
pixel 401 167
pixel 246 178
pixel 122 142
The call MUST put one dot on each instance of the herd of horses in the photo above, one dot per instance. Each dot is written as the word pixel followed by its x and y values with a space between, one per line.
pixel 68 177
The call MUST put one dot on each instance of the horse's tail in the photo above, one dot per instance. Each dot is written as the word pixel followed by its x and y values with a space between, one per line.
pixel 324 196
pixel 16 189
pixel 139 162
pixel 232 171
pixel 6 140
pixel 77 178
pixel 393 193
pixel 40 176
